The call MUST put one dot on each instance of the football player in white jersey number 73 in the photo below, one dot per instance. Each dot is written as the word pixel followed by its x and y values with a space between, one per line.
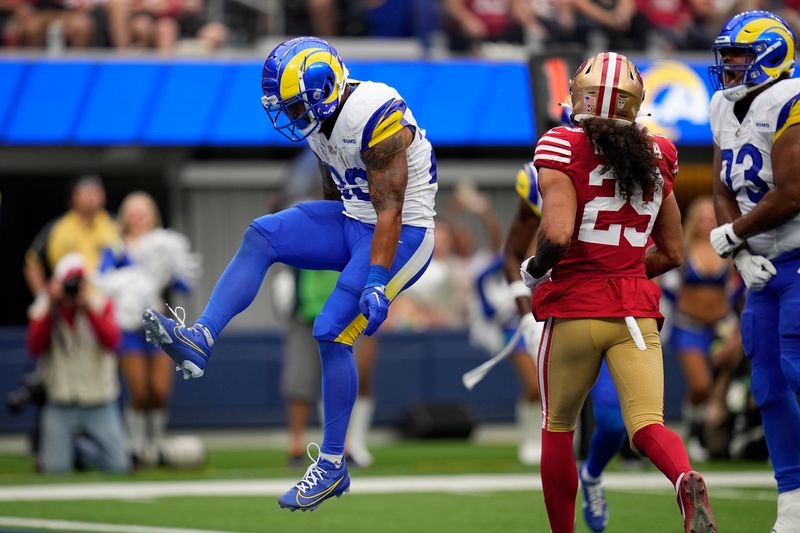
pixel 754 118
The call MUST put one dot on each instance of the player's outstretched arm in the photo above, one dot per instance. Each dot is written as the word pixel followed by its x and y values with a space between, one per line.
pixel 559 207
pixel 387 175
pixel 667 250
pixel 517 247
pixel 782 202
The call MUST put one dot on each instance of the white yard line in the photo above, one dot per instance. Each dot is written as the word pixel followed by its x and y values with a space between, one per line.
pixel 360 485
pixel 69 525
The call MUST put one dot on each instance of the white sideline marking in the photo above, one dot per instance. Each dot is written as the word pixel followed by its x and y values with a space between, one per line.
pixel 65 525
pixel 360 485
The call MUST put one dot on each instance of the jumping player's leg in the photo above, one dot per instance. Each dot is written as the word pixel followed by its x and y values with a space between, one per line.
pixel 309 235
pixel 340 322
pixel 336 329
pixel 568 363
pixel 762 340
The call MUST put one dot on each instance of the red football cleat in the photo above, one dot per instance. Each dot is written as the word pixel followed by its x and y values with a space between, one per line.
pixel 693 502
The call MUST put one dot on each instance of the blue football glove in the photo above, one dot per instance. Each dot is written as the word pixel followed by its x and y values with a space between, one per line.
pixel 374 304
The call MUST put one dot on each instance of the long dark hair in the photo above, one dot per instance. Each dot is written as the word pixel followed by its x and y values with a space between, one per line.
pixel 628 151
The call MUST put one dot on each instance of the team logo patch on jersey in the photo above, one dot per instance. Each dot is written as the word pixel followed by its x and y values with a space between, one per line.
pixel 349 141
pixel 765 126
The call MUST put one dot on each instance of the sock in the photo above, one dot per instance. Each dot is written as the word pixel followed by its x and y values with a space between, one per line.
pixel 665 450
pixel 137 431
pixel 781 419
pixel 529 422
pixel 335 459
pixel 559 480
pixel 607 439
pixel 157 422
pixel 339 391
pixel 239 284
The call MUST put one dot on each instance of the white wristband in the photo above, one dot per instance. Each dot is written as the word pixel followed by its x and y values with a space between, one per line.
pixel 519 289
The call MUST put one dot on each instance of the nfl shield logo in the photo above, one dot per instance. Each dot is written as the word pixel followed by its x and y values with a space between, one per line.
pixel 589 101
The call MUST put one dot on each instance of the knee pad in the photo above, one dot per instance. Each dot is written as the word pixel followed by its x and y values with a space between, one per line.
pixel 765 390
pixel 323 328
pixel 791 371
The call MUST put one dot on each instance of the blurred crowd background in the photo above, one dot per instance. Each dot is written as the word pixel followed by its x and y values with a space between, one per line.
pixel 162 195
pixel 441 26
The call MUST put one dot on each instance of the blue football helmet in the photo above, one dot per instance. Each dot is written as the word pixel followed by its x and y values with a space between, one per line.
pixel 303 83
pixel 768 43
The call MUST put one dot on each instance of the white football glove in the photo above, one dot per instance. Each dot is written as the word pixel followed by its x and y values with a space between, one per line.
pixel 724 240
pixel 756 270
pixel 531 333
pixel 530 281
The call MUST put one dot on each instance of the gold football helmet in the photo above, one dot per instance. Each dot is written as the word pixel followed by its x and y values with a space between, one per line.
pixel 607 85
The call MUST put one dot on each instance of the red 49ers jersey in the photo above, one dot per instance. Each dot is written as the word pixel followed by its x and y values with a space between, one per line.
pixel 603 272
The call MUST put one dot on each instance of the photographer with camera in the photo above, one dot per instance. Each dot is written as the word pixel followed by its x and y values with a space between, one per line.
pixel 73 332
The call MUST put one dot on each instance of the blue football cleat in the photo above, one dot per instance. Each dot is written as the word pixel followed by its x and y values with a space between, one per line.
pixel 595 507
pixel 189 347
pixel 322 480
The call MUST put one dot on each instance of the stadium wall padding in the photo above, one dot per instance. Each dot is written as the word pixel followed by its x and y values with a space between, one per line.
pixel 241 387
pixel 216 102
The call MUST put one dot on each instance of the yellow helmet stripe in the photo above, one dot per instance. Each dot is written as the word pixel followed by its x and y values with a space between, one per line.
pixel 290 79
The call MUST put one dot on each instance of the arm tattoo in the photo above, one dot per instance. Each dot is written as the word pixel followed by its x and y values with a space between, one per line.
pixel 387 172
pixel 548 254
pixel 379 156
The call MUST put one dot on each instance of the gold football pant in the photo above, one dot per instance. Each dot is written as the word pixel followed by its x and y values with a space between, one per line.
pixel 569 360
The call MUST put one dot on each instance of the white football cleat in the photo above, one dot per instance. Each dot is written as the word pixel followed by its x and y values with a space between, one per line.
pixel 788 512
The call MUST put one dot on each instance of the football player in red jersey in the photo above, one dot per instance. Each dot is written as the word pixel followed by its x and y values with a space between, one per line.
pixel 609 222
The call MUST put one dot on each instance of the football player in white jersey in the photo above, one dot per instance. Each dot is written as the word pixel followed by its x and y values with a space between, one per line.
pixel 754 115
pixel 375 227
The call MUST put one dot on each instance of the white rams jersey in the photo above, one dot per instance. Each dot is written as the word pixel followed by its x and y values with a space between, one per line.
pixel 746 150
pixel 528 188
pixel 372 113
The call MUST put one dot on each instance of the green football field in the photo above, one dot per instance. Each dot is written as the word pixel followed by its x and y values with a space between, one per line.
pixel 414 486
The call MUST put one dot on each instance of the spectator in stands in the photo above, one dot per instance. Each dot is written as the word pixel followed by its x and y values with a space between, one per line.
pixel 316 17
pixel 617 21
pixel 86 229
pixel 473 22
pixel 680 24
pixel 401 18
pixel 33 22
pixel 558 17
pixel 126 276
pixel 439 298
pixel 72 329
pixel 160 24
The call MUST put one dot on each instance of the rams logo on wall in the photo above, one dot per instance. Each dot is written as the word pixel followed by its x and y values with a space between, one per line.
pixel 677 100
